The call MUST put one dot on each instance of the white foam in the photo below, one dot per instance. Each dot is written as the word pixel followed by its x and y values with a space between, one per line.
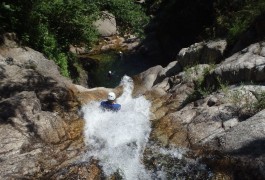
pixel 118 139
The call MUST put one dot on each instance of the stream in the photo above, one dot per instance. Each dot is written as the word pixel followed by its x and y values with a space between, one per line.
pixel 119 65
pixel 120 142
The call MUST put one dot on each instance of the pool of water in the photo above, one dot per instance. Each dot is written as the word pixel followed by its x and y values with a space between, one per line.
pixel 119 65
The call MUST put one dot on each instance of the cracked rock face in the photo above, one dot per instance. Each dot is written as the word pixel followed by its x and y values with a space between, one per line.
pixel 246 65
pixel 41 132
pixel 23 111
pixel 223 120
pixel 40 125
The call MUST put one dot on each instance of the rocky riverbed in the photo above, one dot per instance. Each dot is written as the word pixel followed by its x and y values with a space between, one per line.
pixel 212 107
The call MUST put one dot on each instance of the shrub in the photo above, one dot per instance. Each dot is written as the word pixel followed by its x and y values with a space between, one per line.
pixel 61 61
pixel 233 17
pixel 51 26
pixel 260 104
pixel 131 17
pixel 246 102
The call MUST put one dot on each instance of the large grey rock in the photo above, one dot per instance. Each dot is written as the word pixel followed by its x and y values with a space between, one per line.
pixel 202 53
pixel 194 73
pixel 171 69
pixel 245 141
pixel 201 122
pixel 183 116
pixel 230 123
pixel 37 113
pixel 27 58
pixel 24 126
pixel 247 138
pixel 246 65
pixel 106 24
pixel 157 78
pixel 24 69
pixel 206 124
pixel 149 76
pixel 213 121
pixel 9 40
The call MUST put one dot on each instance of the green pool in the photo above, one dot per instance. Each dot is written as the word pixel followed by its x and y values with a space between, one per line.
pixel 119 65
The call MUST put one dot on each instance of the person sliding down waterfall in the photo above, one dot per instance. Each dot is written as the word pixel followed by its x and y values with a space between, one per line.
pixel 110 103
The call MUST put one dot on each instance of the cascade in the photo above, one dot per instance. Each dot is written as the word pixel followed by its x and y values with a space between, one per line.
pixel 120 142
pixel 118 139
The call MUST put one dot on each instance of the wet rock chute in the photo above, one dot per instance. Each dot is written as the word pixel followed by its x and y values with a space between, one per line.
pixel 118 139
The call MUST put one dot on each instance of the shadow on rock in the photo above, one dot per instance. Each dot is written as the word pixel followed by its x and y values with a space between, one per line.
pixel 2 72
pixel 7 110
pixel 49 92
pixel 34 82
pixel 254 149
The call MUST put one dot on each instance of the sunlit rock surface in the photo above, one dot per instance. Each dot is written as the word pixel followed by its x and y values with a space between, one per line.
pixel 191 135
pixel 106 24
pixel 40 128
pixel 245 65
pixel 221 119
pixel 202 53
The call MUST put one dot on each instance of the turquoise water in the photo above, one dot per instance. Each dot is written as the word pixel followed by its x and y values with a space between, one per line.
pixel 119 65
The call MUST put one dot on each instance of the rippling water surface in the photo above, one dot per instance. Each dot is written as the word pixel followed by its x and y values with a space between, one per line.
pixel 118 139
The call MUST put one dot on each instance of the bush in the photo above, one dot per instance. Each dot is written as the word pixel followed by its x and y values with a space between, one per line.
pixel 233 17
pixel 61 61
pixel 260 104
pixel 51 26
pixel 131 17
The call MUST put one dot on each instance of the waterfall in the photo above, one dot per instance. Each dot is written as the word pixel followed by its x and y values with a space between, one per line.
pixel 118 139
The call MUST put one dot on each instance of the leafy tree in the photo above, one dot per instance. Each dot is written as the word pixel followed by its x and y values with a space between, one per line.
pixel 50 26
pixel 233 17
pixel 131 17
pixel 14 15
pixel 70 21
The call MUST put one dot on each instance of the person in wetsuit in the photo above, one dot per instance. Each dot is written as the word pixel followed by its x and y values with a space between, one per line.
pixel 110 74
pixel 110 103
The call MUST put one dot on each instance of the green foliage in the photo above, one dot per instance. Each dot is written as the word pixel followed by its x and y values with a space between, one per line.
pixel 47 43
pixel 260 103
pixel 69 21
pixel 246 102
pixel 200 86
pixel 9 17
pixel 130 16
pixel 233 17
pixel 197 75
pixel 222 85
pixel 51 26
pixel 153 5
pixel 61 60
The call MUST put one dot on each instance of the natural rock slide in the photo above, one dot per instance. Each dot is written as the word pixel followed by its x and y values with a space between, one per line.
pixel 206 108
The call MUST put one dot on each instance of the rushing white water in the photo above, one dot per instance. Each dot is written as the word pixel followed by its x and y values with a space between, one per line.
pixel 118 139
